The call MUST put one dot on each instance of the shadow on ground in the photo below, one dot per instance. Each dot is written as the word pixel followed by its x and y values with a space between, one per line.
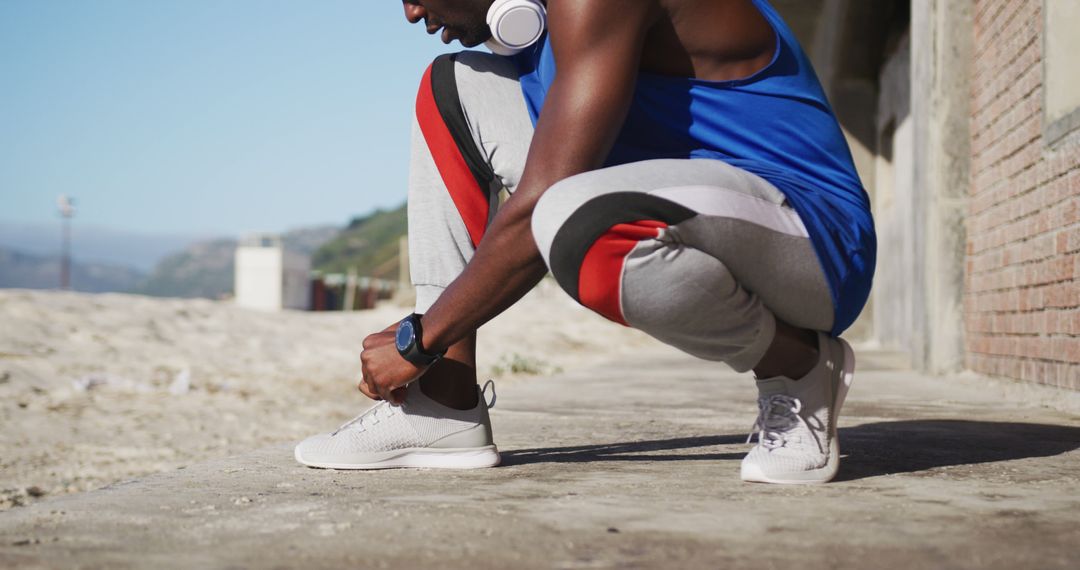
pixel 886 448
pixel 870 450
pixel 626 451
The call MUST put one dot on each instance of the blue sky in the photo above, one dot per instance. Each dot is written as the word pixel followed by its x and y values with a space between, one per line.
pixel 206 116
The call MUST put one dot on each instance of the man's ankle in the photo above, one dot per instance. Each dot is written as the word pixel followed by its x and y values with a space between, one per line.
pixel 793 354
pixel 452 380
pixel 459 394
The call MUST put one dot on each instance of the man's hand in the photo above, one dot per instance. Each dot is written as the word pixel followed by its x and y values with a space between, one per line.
pixel 385 372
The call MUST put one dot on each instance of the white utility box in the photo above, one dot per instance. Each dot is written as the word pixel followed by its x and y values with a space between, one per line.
pixel 269 278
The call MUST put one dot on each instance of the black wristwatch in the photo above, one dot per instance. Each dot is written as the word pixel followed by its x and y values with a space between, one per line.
pixel 409 343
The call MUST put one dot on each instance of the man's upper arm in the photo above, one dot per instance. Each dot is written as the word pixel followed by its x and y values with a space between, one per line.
pixel 597 46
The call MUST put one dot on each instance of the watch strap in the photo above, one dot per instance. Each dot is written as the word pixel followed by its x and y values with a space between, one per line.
pixel 414 352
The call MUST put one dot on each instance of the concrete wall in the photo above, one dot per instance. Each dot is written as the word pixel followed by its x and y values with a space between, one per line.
pixel 1022 298
pixel 940 80
pixel 893 204
pixel 920 182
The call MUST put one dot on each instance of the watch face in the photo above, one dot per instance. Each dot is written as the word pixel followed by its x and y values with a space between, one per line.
pixel 404 335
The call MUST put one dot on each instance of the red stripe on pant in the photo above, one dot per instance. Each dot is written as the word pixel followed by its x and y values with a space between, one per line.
pixel 600 276
pixel 468 196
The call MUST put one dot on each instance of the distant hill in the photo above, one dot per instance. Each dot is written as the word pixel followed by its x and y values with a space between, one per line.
pixel 95 244
pixel 369 244
pixel 25 271
pixel 205 269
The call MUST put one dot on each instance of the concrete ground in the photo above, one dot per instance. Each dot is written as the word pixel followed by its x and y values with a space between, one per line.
pixel 633 465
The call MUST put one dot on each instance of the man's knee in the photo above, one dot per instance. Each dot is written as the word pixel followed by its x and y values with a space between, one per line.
pixel 586 236
pixel 443 79
pixel 576 211
pixel 472 61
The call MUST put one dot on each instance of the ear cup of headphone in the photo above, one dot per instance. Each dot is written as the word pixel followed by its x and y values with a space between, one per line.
pixel 515 25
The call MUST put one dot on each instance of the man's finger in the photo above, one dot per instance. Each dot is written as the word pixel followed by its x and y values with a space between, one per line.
pixel 365 389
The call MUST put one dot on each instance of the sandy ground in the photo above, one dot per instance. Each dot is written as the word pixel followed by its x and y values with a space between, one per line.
pixel 627 464
pixel 99 388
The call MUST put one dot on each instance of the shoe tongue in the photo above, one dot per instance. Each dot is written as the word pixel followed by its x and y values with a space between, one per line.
pixel 770 386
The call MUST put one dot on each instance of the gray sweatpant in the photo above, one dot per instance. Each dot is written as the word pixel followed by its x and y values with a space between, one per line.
pixel 697 253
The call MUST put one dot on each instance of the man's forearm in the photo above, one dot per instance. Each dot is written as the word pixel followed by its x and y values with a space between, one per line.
pixel 505 267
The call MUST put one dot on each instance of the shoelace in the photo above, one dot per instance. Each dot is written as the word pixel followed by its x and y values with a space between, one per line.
pixel 370 416
pixel 777 414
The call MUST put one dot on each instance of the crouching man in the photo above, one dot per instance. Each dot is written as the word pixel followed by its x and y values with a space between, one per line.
pixel 674 164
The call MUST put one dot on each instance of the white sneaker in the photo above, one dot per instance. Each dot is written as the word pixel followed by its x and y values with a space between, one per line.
pixel 418 433
pixel 796 423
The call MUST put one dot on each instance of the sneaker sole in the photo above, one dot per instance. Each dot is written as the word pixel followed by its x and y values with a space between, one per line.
pixel 824 474
pixel 417 457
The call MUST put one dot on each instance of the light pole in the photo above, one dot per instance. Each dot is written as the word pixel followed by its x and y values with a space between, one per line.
pixel 67 211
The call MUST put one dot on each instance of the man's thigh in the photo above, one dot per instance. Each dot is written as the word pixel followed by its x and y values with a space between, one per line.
pixel 732 215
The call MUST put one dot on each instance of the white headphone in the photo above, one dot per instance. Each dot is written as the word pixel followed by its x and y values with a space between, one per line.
pixel 515 25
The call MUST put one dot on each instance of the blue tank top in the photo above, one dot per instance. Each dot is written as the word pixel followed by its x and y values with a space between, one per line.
pixel 776 124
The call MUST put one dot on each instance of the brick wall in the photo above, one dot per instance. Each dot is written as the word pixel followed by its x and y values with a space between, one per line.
pixel 1022 280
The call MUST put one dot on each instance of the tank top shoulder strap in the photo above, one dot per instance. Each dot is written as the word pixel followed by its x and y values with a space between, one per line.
pixel 774 20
